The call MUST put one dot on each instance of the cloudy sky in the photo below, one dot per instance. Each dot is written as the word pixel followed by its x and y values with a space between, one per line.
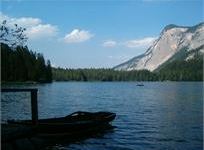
pixel 84 34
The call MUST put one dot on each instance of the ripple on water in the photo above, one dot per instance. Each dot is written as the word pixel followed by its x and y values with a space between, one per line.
pixel 158 116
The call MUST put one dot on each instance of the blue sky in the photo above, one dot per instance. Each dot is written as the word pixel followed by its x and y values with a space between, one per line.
pixel 84 34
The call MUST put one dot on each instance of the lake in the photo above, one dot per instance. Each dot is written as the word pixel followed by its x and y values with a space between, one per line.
pixel 158 115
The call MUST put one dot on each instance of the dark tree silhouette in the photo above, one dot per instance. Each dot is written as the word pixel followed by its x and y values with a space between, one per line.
pixel 18 63
pixel 13 37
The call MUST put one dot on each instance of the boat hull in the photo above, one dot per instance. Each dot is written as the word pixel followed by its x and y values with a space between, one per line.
pixel 78 123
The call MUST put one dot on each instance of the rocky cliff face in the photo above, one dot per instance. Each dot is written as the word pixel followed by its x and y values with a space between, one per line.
pixel 173 40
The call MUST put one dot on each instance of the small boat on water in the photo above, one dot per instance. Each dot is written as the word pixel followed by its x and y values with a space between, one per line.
pixel 140 84
pixel 76 124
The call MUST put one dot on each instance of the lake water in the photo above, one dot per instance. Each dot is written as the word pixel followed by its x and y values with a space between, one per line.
pixel 158 115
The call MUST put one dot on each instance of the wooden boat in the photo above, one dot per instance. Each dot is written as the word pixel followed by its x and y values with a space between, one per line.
pixel 76 124
pixel 140 84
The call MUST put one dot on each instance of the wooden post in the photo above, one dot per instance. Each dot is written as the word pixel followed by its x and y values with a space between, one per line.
pixel 34 101
pixel 34 106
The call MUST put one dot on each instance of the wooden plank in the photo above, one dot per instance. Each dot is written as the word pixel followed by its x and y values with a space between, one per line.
pixel 18 90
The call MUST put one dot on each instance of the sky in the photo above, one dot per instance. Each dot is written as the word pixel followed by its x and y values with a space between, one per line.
pixel 96 33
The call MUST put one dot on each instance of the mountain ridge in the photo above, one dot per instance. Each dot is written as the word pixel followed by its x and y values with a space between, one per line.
pixel 172 39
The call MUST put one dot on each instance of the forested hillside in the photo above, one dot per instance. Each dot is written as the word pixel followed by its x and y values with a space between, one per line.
pixel 180 70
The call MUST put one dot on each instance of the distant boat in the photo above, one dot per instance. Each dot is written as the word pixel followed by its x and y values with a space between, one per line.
pixel 75 124
pixel 140 84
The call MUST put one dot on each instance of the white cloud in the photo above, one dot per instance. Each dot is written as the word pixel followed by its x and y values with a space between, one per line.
pixel 41 30
pixel 26 21
pixel 137 43
pixel 35 29
pixel 77 36
pixel 109 43
pixel 145 42
pixel 23 21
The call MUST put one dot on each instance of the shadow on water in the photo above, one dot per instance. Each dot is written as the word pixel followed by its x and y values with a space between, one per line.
pixel 65 141
pixel 22 137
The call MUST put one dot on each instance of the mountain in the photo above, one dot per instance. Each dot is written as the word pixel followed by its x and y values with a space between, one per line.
pixel 174 43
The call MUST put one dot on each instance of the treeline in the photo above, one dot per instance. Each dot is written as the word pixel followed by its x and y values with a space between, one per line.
pixel 60 74
pixel 19 64
pixel 191 70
